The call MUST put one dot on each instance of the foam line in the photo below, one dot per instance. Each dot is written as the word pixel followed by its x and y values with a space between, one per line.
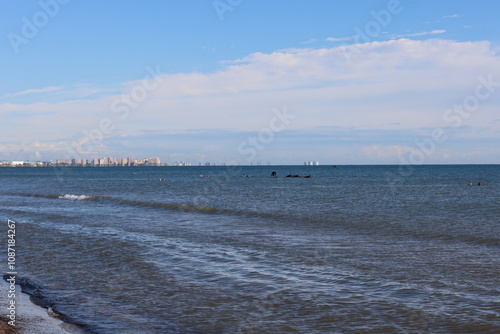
pixel 31 318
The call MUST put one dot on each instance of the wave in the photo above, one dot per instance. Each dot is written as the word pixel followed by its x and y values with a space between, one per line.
pixel 306 221
pixel 172 206
pixel 75 197
pixel 39 297
pixel 162 205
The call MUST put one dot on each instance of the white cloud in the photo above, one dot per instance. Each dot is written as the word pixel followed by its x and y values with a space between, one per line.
pixel 340 39
pixel 385 152
pixel 34 91
pixel 424 33
pixel 393 85
pixel 312 40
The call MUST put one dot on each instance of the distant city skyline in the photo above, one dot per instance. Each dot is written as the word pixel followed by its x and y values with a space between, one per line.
pixel 365 82
pixel 111 161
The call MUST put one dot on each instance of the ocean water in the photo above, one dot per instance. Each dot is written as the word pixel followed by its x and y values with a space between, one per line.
pixel 353 249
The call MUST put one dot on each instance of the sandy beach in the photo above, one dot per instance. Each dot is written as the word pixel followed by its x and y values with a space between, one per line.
pixel 5 328
pixel 30 318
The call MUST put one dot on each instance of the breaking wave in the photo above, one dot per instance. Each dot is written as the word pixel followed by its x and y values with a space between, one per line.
pixel 75 197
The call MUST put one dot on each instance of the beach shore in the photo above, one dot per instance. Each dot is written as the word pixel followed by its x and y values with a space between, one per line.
pixel 30 318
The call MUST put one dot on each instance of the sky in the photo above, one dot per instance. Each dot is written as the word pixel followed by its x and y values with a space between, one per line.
pixel 241 82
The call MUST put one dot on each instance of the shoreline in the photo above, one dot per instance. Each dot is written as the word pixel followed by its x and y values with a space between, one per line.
pixel 31 318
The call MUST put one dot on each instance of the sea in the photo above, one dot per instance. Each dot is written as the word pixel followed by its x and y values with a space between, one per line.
pixel 230 249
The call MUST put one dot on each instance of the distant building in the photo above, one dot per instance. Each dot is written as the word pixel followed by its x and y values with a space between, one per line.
pixel 154 161
pixel 311 163
pixel 182 163
pixel 100 162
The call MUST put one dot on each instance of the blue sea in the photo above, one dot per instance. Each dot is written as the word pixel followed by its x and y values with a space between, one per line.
pixel 351 249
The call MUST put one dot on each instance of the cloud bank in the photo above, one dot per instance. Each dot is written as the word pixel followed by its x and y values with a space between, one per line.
pixel 370 109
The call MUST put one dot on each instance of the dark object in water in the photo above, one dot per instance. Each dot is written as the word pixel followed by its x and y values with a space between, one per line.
pixel 293 175
pixel 274 174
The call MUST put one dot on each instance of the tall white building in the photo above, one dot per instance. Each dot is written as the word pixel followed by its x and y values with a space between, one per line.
pixel 154 161
pixel 311 163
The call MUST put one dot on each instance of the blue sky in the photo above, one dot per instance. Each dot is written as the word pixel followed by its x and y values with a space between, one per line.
pixel 363 82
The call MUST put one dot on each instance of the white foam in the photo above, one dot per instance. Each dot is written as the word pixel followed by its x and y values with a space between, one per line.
pixel 74 197
pixel 30 318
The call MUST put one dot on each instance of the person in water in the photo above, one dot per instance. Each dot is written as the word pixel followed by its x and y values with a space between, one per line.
pixel 274 174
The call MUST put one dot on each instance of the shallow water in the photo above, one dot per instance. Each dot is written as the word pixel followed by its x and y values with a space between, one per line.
pixel 366 249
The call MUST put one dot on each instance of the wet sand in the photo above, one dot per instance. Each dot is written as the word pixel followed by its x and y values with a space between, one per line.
pixel 30 318
pixel 5 328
